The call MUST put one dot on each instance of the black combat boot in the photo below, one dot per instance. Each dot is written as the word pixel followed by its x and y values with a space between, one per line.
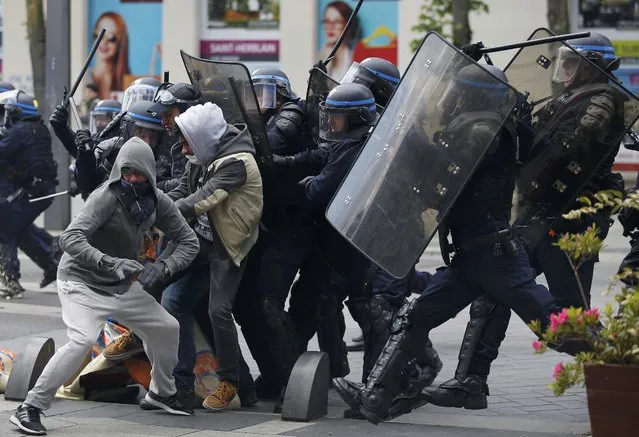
pixel 350 391
pixel 469 392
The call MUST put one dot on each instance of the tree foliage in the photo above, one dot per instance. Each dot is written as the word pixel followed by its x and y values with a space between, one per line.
pixel 437 16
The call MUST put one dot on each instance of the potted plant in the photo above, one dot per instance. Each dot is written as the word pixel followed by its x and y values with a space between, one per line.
pixel 610 366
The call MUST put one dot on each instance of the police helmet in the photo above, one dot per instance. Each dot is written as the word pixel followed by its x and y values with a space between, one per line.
pixel 472 89
pixel 380 75
pixel 6 86
pixel 143 88
pixel 268 83
pixel 102 114
pixel 570 68
pixel 348 112
pixel 18 105
pixel 138 122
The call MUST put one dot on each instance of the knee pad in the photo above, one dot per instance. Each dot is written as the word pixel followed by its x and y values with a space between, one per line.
pixel 483 307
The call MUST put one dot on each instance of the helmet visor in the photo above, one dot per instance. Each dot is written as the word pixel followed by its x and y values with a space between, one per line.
pixel 99 120
pixel 266 94
pixel 566 66
pixel 137 93
pixel 343 124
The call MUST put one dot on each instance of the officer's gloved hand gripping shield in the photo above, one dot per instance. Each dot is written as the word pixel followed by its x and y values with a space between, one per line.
pixel 420 155
pixel 577 114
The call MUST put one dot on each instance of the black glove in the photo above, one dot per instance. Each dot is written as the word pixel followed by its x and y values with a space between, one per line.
pixel 473 51
pixel 154 276
pixel 60 116
pixel 320 65
pixel 83 138
pixel 304 181
pixel 123 267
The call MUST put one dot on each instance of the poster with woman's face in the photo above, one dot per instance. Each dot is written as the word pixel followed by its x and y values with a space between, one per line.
pixel 132 44
pixel 373 33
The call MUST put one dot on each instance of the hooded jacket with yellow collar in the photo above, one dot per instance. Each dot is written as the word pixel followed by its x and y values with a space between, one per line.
pixel 225 182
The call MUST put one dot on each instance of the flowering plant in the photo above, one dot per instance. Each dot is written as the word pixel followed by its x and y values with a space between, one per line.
pixel 612 338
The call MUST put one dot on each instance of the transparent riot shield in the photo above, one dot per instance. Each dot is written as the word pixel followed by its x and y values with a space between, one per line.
pixel 419 156
pixel 319 85
pixel 228 85
pixel 577 117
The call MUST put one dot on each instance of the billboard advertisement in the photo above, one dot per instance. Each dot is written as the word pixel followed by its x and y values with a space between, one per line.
pixel 372 34
pixel 132 44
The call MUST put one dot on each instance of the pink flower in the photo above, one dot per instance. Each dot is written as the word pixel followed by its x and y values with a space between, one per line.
pixel 559 367
pixel 593 312
pixel 580 320
pixel 562 318
pixel 538 346
pixel 558 319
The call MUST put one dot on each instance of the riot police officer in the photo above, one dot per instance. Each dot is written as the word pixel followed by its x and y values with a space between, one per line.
pixel 136 122
pixel 379 75
pixel 143 88
pixel 488 259
pixel 384 295
pixel 81 144
pixel 284 241
pixel 334 267
pixel 27 170
pixel 102 114
pixel 587 106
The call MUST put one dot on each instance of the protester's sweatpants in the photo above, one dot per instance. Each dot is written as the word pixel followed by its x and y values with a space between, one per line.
pixel 84 312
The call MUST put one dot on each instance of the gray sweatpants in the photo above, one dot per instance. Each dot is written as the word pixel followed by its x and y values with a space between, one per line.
pixel 84 312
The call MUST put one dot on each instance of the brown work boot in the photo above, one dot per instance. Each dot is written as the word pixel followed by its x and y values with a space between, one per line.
pixel 221 397
pixel 126 346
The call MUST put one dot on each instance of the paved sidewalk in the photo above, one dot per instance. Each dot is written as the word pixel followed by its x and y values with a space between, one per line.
pixel 520 403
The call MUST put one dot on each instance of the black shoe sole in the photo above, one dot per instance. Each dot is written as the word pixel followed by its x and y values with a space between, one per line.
pixel 166 408
pixel 13 419
pixel 470 403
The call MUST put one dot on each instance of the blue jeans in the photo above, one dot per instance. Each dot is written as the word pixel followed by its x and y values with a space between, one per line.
pixel 180 300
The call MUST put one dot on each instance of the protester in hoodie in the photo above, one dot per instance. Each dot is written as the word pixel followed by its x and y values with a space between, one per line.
pixel 221 192
pixel 97 279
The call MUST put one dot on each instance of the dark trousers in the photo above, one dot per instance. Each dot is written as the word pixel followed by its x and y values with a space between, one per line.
pixel 17 229
pixel 550 260
pixel 259 308
pixel 187 299
pixel 505 278
pixel 224 281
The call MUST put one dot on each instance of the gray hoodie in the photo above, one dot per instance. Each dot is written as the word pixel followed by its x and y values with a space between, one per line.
pixel 105 227
pixel 225 191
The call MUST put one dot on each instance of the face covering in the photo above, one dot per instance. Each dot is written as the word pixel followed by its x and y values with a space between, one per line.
pixel 138 197
pixel 193 159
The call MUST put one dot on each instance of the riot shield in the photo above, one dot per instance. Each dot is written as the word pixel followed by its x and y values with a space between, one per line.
pixel 319 85
pixel 409 173
pixel 578 117
pixel 228 85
